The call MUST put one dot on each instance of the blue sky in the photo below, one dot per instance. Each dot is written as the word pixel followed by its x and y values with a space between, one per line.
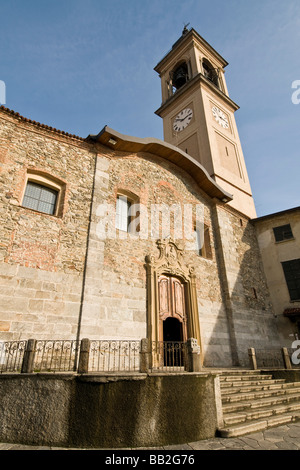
pixel 79 65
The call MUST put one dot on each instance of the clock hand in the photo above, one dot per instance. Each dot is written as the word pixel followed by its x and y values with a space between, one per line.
pixel 176 120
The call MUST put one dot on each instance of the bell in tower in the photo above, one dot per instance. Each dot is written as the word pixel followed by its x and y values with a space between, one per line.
pixel 180 76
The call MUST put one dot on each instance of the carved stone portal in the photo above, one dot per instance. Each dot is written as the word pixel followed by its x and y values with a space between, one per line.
pixel 171 295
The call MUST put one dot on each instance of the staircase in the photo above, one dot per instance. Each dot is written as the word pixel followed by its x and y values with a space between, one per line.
pixel 252 402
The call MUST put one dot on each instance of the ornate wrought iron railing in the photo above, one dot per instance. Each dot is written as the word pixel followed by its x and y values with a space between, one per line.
pixel 106 356
pixel 56 355
pixel 168 355
pixel 114 355
pixel 94 356
pixel 11 355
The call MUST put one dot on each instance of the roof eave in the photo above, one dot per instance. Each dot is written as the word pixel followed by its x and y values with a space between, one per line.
pixel 121 142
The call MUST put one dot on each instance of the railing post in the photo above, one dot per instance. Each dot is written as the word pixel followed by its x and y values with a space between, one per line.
pixel 144 355
pixel 28 358
pixel 84 354
pixel 286 358
pixel 193 363
pixel 252 358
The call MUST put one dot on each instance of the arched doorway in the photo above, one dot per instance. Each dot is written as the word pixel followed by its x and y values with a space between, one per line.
pixel 172 319
pixel 172 307
pixel 172 342
pixel 172 329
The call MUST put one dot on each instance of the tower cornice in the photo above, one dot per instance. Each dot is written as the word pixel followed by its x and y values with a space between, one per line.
pixel 199 78
pixel 191 35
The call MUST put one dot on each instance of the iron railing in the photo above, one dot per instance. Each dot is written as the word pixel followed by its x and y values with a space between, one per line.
pixel 114 356
pixel 102 356
pixel 109 356
pixel 168 355
pixel 11 355
pixel 56 355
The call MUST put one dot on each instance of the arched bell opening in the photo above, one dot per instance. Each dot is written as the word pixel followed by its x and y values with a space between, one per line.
pixel 180 76
pixel 210 72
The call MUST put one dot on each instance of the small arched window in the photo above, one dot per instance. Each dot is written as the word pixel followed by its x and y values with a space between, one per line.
pixel 40 198
pixel 43 193
pixel 180 76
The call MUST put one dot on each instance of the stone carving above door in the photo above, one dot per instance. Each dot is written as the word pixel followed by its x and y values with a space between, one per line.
pixel 170 260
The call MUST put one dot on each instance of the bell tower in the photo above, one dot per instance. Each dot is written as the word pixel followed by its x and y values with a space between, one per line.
pixel 198 115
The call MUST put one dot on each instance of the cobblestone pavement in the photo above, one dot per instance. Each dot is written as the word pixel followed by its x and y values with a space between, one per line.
pixel 285 437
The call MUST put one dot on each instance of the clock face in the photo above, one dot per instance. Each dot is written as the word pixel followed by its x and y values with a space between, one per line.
pixel 220 117
pixel 182 119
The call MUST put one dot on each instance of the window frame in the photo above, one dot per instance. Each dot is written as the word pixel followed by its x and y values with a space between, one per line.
pixel 277 232
pixel 51 206
pixel 46 180
pixel 292 278
pixel 131 200
pixel 203 246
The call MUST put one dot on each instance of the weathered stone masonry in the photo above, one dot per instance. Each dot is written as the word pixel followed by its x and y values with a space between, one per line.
pixel 60 280
pixel 42 256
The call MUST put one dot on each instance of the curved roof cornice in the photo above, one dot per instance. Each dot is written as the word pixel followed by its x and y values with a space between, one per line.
pixel 117 141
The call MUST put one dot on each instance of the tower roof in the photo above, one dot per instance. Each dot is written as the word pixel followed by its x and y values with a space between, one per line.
pixel 187 36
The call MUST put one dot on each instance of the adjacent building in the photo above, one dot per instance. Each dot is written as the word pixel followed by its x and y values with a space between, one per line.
pixel 279 241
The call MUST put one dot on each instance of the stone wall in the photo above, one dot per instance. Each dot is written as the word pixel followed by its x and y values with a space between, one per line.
pixel 108 412
pixel 42 256
pixel 63 277
pixel 115 284
pixel 246 295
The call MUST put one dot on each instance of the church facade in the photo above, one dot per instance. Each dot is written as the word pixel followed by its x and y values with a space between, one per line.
pixel 116 237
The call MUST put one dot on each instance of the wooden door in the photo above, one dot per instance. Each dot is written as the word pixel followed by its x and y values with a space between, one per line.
pixel 171 297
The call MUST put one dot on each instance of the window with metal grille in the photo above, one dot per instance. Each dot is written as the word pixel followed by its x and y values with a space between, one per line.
pixel 291 271
pixel 284 232
pixel 40 198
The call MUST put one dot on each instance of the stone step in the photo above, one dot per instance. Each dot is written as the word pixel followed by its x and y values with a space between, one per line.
pixel 231 386
pixel 272 385
pixel 256 395
pixel 236 418
pixel 262 403
pixel 235 372
pixel 244 377
pixel 258 425
pixel 253 401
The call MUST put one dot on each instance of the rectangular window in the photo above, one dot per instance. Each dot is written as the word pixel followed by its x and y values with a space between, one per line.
pixel 292 276
pixel 284 232
pixel 203 242
pixel 40 198
pixel 122 213
pixel 198 241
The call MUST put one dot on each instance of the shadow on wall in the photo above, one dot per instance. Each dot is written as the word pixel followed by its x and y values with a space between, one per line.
pixel 247 318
